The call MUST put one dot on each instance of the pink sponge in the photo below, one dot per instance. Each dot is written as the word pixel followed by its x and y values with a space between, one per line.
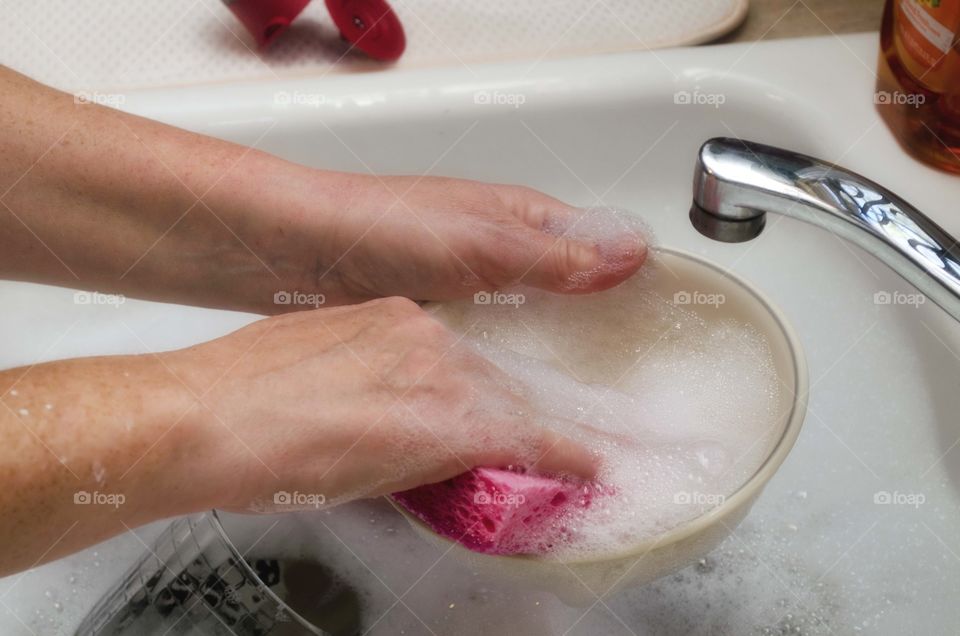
pixel 499 511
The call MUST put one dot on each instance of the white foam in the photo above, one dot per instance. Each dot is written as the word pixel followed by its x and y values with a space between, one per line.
pixel 680 408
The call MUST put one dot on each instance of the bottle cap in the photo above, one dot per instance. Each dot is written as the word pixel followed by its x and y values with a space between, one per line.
pixel 266 19
pixel 370 25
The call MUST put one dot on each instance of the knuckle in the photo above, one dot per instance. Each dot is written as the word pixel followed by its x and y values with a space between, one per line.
pixel 525 192
pixel 399 304
pixel 434 330
pixel 509 256
pixel 452 395
pixel 415 372
pixel 423 328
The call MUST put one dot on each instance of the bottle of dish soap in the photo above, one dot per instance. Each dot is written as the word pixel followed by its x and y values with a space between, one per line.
pixel 918 83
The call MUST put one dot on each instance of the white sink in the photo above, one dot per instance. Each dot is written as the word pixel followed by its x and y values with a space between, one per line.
pixel 817 552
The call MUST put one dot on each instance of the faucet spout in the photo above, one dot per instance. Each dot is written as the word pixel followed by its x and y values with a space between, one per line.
pixel 736 183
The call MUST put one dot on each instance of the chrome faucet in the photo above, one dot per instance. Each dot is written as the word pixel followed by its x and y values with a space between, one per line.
pixel 737 182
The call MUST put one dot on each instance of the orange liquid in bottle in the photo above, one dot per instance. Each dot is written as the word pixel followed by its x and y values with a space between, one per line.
pixel 918 84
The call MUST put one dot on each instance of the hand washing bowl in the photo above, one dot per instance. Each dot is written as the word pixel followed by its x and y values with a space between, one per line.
pixel 248 572
pixel 584 581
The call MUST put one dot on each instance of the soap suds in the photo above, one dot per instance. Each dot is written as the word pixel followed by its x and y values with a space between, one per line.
pixel 679 406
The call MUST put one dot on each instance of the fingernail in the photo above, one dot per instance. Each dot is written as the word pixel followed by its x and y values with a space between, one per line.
pixel 582 256
pixel 622 248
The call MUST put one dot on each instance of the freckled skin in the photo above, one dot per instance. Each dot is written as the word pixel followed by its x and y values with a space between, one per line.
pixel 91 400
pixel 96 199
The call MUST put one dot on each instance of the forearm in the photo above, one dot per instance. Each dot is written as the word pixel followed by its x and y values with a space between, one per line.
pixel 99 199
pixel 89 448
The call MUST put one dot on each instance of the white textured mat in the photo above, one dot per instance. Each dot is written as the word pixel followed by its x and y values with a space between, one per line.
pixel 97 44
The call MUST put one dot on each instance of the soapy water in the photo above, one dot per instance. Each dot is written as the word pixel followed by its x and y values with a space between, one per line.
pixel 681 408
pixel 370 557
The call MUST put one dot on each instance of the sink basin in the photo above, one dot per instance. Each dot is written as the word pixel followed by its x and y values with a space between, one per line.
pixel 856 532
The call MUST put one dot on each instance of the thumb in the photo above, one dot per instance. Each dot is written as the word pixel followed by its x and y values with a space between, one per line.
pixel 570 265
pixel 552 453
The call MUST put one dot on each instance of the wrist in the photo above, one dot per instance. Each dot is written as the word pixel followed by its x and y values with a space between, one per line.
pixel 166 441
pixel 206 461
pixel 283 218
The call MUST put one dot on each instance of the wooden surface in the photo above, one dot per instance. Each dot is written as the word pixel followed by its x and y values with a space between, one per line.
pixel 772 19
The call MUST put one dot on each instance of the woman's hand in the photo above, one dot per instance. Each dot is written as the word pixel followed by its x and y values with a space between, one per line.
pixel 434 239
pixel 354 402
pixel 334 404
pixel 98 199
